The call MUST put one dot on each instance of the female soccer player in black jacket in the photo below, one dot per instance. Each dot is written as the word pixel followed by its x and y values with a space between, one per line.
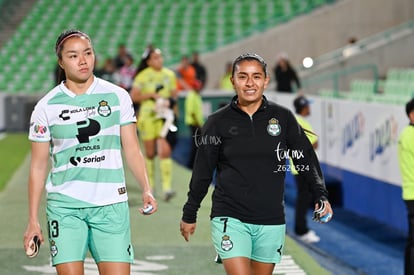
pixel 248 143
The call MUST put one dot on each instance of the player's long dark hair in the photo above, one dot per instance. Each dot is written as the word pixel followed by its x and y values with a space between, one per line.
pixel 143 64
pixel 60 74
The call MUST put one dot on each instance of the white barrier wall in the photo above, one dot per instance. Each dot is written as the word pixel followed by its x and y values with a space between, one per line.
pixel 366 138
pixel 358 150
pixel 359 137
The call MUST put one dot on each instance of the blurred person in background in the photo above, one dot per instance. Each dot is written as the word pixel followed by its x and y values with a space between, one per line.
pixel 82 125
pixel 155 88
pixel 108 71
pixel 285 75
pixel 406 162
pixel 303 187
pixel 201 72
pixel 186 74
pixel 121 58
pixel 194 117
pixel 225 82
pixel 351 48
pixel 127 73
pixel 245 142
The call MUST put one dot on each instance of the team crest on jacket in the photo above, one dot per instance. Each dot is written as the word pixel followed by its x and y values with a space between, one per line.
pixel 104 109
pixel 273 128
pixel 226 243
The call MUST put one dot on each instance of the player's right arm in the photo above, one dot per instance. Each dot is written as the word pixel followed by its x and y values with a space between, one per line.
pixel 137 95
pixel 37 178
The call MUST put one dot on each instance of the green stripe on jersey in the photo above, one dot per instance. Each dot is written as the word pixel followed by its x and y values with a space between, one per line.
pixel 94 175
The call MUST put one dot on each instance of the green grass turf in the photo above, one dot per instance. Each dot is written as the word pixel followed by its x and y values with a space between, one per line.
pixel 13 148
pixel 159 247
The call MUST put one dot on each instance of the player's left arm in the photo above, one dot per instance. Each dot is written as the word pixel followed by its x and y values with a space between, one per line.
pixel 37 177
pixel 136 163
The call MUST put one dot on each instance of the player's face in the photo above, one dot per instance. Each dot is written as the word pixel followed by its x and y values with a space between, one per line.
pixel 411 117
pixel 78 59
pixel 249 81
pixel 306 111
pixel 155 60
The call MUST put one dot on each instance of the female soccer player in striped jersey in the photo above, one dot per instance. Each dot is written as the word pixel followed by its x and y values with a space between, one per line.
pixel 84 125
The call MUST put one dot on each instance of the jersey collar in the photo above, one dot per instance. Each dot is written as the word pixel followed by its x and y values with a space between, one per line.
pixel 263 106
pixel 72 94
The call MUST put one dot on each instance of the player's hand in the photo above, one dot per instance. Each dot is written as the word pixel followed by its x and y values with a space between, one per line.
pixel 33 229
pixel 187 229
pixel 323 213
pixel 155 96
pixel 149 201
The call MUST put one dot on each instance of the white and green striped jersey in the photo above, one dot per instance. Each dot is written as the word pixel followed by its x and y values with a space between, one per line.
pixel 85 146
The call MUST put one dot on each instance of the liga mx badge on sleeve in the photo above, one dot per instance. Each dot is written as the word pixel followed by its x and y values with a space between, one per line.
pixel 274 127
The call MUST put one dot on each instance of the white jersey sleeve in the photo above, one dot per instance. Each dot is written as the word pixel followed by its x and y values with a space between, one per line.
pixel 127 109
pixel 39 126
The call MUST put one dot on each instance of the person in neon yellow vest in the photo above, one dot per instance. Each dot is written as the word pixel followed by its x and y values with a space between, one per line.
pixel 194 117
pixel 155 89
pixel 303 197
pixel 225 83
pixel 406 162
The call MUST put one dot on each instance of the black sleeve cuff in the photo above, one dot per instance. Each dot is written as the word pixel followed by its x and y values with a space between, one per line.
pixel 322 198
pixel 189 214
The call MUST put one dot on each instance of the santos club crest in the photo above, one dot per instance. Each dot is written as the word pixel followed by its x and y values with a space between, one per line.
pixel 226 243
pixel 104 109
pixel 274 127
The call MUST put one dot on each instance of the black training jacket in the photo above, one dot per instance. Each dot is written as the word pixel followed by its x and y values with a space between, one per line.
pixel 249 155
